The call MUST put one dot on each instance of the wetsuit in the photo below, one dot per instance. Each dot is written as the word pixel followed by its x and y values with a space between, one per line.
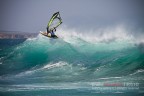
pixel 51 32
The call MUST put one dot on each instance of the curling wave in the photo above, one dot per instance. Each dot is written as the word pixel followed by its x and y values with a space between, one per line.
pixel 73 58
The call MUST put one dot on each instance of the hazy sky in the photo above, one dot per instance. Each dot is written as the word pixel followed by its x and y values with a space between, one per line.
pixel 33 15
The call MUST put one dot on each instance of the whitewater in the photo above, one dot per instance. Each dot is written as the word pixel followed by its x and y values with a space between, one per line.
pixel 105 63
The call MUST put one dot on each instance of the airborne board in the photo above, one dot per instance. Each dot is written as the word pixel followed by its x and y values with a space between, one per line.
pixel 53 23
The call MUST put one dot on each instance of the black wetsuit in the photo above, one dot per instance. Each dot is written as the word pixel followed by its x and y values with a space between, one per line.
pixel 51 32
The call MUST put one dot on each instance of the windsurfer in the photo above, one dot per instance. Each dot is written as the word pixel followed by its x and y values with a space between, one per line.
pixel 54 22
pixel 51 32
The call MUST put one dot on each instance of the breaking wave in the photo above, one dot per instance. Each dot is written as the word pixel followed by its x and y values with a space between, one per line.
pixel 74 59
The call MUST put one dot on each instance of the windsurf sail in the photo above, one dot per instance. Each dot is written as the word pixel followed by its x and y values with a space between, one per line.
pixel 55 21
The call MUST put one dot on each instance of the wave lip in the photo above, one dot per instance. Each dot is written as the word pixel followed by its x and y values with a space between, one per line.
pixel 100 35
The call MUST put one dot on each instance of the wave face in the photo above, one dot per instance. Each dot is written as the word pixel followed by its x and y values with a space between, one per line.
pixel 70 62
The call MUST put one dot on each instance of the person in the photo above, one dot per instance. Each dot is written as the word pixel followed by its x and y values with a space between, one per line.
pixel 51 33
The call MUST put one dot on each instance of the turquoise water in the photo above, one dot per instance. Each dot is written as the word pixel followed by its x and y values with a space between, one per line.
pixel 72 67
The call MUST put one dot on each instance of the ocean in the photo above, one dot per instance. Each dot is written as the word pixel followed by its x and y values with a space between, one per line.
pixel 72 66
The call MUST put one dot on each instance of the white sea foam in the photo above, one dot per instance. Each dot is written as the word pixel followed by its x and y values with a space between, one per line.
pixel 50 66
pixel 137 72
pixel 99 35
pixel 46 67
pixel 110 78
